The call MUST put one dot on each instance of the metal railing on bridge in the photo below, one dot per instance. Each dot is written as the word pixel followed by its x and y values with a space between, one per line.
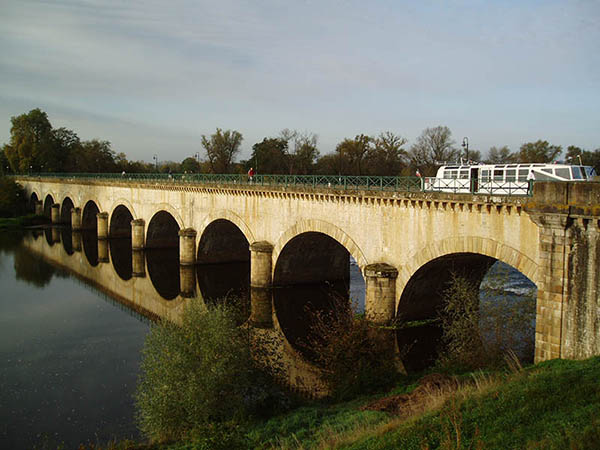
pixel 336 182
pixel 374 183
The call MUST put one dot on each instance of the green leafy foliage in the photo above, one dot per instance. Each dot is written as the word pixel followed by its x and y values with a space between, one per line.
pixel 221 148
pixel 355 357
pixel 12 198
pixel 194 374
pixel 480 331
pixel 538 152
pixel 462 337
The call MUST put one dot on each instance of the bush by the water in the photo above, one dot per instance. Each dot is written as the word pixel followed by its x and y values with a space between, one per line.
pixel 195 374
pixel 355 356
pixel 482 332
pixel 12 198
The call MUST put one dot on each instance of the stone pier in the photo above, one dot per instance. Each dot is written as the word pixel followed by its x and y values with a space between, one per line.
pixel 380 298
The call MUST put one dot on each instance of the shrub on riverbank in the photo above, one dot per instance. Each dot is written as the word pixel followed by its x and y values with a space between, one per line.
pixel 355 357
pixel 14 223
pixel 483 332
pixel 12 198
pixel 195 375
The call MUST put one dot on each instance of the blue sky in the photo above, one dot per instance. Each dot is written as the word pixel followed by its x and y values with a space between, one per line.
pixel 153 76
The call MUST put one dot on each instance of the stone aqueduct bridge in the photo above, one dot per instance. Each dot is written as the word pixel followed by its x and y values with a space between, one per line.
pixel 406 244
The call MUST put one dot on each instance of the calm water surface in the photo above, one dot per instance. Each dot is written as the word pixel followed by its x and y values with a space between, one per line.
pixel 69 359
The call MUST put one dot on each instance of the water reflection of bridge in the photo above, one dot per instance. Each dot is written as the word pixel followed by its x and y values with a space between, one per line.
pixel 89 260
pixel 151 284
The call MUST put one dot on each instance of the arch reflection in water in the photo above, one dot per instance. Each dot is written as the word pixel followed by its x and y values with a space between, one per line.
pixel 121 256
pixel 48 235
pixel 311 278
pixel 226 282
pixel 163 270
pixel 33 199
pixel 66 235
pixel 137 294
pixel 65 211
pixel 120 222
pixel 89 239
pixel 48 202
pixel 89 220
pixel 297 306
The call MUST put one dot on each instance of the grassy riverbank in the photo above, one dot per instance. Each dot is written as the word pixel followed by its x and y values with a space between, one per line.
pixel 15 223
pixel 553 405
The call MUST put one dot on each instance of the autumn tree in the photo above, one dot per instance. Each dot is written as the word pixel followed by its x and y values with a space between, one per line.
pixel 221 148
pixel 352 154
pixel 538 152
pixel 302 151
pixel 588 158
pixel 433 148
pixel 500 155
pixel 387 155
pixel 190 165
pixel 93 156
pixel 30 140
pixel 328 164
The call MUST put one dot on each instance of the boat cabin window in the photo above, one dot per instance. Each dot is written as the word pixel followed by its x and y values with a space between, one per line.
pixel 450 173
pixel 511 174
pixel 547 170
pixel 498 175
pixel 563 172
pixel 577 175
pixel 590 172
pixel 485 175
pixel 464 174
pixel 523 174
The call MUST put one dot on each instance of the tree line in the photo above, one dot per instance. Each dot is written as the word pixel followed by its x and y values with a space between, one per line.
pixel 35 146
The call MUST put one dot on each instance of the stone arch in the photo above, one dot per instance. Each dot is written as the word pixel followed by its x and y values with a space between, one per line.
pixel 162 230
pixel 33 199
pixel 89 210
pixel 468 244
pixel 311 275
pixel 231 217
pixel 66 194
pixel 167 208
pixel 122 202
pixel 223 261
pixel 320 226
pixel 422 281
pixel 120 218
pixel 49 200
pixel 86 200
pixel 162 253
pixel 65 210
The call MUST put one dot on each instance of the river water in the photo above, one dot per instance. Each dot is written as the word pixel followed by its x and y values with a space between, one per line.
pixel 71 336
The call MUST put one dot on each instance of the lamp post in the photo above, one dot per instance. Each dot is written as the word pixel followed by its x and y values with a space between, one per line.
pixel 155 157
pixel 465 145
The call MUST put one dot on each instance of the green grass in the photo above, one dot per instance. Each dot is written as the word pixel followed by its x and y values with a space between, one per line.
pixel 553 405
